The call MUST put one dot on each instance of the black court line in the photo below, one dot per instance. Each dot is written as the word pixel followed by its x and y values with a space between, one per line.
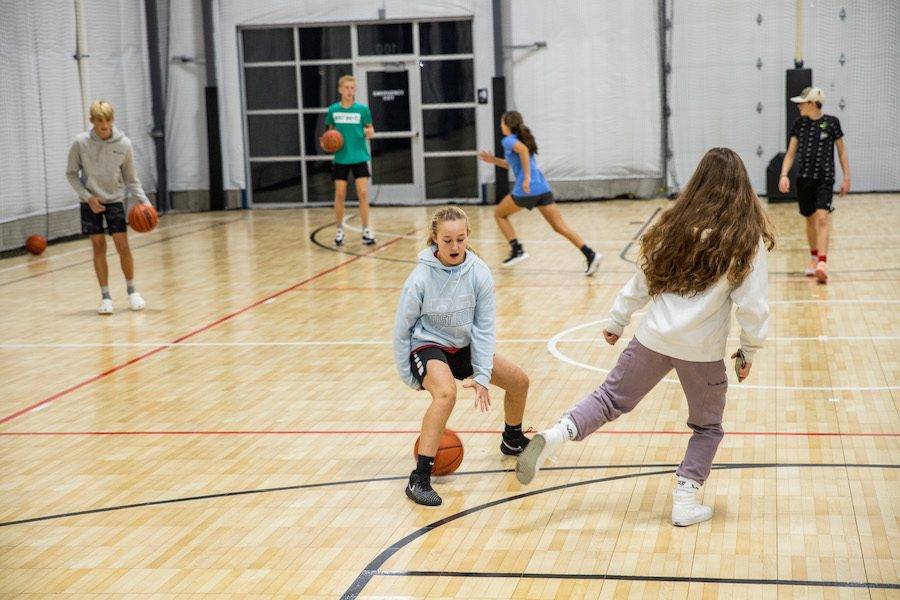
pixel 307 486
pixel 638 235
pixel 304 486
pixel 665 579
pixel 135 247
pixel 342 250
pixel 374 567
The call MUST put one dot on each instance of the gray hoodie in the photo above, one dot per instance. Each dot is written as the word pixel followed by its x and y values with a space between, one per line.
pixel 447 306
pixel 106 166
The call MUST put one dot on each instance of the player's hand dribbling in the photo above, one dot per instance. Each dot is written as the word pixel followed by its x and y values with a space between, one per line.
pixel 482 396
pixel 96 205
pixel 784 184
pixel 610 338
pixel 486 157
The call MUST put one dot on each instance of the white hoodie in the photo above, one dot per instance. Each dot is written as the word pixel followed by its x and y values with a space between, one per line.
pixel 695 328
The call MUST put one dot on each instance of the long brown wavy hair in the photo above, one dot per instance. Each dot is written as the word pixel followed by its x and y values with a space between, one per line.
pixel 713 230
pixel 516 124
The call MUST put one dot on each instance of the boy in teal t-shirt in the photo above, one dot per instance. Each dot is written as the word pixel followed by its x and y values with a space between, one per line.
pixel 354 122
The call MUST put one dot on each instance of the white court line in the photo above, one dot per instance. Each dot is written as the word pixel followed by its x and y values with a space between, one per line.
pixel 303 343
pixel 556 339
pixel 347 225
pixel 82 249
pixel 827 301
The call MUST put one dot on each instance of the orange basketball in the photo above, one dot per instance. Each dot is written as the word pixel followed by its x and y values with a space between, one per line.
pixel 143 218
pixel 449 454
pixel 36 244
pixel 332 141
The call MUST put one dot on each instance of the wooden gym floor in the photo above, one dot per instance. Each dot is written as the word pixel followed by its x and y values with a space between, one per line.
pixel 246 435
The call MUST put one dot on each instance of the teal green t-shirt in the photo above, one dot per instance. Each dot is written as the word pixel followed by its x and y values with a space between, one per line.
pixel 350 122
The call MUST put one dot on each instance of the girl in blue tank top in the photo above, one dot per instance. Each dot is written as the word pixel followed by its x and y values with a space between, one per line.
pixel 531 189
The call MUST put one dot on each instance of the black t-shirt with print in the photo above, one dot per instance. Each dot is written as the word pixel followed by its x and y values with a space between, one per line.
pixel 815 146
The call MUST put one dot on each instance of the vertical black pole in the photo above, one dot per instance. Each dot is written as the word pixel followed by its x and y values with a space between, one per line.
pixel 662 27
pixel 158 133
pixel 501 176
pixel 214 140
pixel 794 81
pixel 498 85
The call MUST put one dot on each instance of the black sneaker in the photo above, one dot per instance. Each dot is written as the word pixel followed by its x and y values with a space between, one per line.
pixel 516 255
pixel 514 446
pixel 419 490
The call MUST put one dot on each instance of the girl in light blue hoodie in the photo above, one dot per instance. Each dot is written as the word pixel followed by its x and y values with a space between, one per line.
pixel 444 330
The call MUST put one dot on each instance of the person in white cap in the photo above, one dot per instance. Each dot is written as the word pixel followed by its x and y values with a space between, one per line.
pixel 813 139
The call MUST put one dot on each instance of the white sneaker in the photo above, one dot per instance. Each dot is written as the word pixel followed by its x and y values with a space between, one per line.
pixel 106 307
pixel 368 238
pixel 594 264
pixel 810 270
pixel 339 238
pixel 135 301
pixel 543 444
pixel 686 507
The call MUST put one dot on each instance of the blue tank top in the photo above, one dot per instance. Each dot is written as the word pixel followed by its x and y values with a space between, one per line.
pixel 539 184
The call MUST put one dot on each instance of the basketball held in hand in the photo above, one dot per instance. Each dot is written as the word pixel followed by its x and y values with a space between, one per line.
pixel 143 218
pixel 332 141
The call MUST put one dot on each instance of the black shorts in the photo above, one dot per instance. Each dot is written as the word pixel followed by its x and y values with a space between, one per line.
pixel 93 223
pixel 814 194
pixel 342 172
pixel 530 202
pixel 460 361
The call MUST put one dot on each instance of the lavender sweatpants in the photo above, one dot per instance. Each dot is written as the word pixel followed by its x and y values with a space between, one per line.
pixel 639 369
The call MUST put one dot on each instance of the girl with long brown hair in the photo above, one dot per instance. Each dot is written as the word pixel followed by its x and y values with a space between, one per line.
pixel 706 253
pixel 531 190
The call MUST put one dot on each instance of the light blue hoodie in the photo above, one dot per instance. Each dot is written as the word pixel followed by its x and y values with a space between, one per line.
pixel 448 306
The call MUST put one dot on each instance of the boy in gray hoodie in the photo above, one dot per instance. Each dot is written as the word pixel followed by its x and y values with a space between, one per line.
pixel 101 171
pixel 444 330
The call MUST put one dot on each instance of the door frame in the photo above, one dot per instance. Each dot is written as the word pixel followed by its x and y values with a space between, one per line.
pixel 413 193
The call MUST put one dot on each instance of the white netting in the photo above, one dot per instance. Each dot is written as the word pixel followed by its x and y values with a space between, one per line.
pixel 41 107
pixel 717 88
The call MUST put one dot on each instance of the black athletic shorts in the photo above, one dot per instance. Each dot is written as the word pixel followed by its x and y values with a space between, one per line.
pixel 342 172
pixel 530 202
pixel 814 194
pixel 93 223
pixel 459 361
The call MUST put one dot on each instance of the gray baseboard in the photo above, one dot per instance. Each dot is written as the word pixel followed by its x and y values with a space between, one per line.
pixel 600 189
pixel 198 200
pixel 54 225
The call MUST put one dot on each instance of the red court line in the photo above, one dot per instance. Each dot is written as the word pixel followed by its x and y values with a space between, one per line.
pixel 193 333
pixel 416 431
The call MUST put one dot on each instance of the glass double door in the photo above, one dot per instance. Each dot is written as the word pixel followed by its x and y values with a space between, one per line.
pixel 392 92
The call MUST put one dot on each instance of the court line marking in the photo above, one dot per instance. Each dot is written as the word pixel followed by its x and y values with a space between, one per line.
pixel 474 240
pixel 374 566
pixel 603 431
pixel 552 347
pixel 50 399
pixel 659 578
pixel 305 343
pixel 405 477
